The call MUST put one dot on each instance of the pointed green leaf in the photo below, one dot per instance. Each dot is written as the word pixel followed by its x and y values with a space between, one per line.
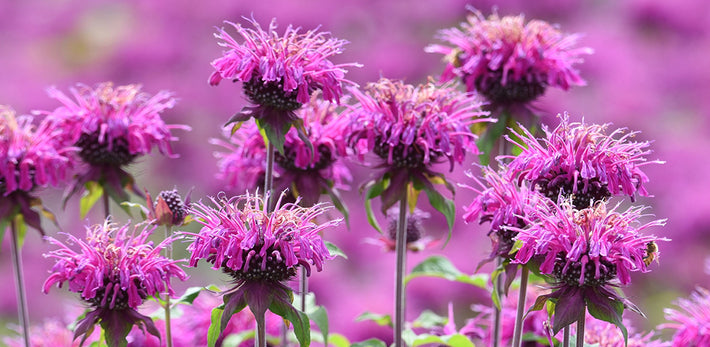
pixel 376 188
pixel 320 316
pixel 91 195
pixel 215 325
pixel 380 319
pixel 127 206
pixel 339 205
pixel 338 340
pixel 441 267
pixel 443 205
pixel 334 250
pixel 190 295
pixel 273 135
pixel 369 343
pixel 299 320
pixel 494 132
pixel 607 310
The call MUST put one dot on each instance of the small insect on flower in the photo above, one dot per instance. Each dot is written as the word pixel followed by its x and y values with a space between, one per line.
pixel 651 253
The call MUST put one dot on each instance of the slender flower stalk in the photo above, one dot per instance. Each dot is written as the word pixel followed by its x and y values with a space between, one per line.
pixel 520 313
pixel 401 261
pixel 580 331
pixel 30 158
pixel 168 210
pixel 22 310
pixel 410 129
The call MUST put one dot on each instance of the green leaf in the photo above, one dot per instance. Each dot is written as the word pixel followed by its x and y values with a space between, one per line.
pixel 494 132
pixel 376 188
pixel 441 267
pixel 320 316
pixel 190 295
pixel 443 205
pixel 273 135
pixel 334 250
pixel 339 205
pixel 607 310
pixel 369 343
pixel 299 320
pixel 91 195
pixel 414 340
pixel 127 206
pixel 338 340
pixel 429 319
pixel 215 325
pixel 21 229
pixel 384 320
pixel 234 340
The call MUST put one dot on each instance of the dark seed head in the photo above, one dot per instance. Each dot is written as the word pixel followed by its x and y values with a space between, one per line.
pixel 595 191
pixel 571 276
pixel 512 92
pixel 97 154
pixel 177 207
pixel 412 159
pixel 287 161
pixel 271 94
pixel 121 302
pixel 274 270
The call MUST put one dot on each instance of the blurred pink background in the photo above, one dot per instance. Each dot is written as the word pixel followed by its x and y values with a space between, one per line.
pixel 649 72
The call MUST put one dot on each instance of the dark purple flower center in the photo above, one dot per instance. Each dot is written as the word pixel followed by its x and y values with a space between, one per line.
pixel 175 204
pixel 573 272
pixel 520 91
pixel 287 160
pixel 415 230
pixel 121 297
pixel 274 268
pixel 271 94
pixel 583 198
pixel 411 157
pixel 506 240
pixel 95 153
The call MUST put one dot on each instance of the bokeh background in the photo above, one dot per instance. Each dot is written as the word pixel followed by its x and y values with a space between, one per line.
pixel 650 72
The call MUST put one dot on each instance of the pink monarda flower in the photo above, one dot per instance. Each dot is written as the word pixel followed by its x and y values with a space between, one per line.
pixel 115 270
pixel 586 252
pixel 279 73
pixel 508 60
pixel 583 161
pixel 410 129
pixel 503 204
pixel 112 126
pixel 604 334
pixel 309 169
pixel 691 322
pixel 260 250
pixel 30 158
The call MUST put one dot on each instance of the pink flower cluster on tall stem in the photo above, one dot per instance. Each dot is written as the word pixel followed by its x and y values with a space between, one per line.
pixel 509 60
pixel 115 269
pixel 112 126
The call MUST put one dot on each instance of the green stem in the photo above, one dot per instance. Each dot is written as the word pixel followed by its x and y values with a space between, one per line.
pixel 168 325
pixel 303 286
pixel 269 176
pixel 260 338
pixel 401 249
pixel 23 312
pixel 565 336
pixel 498 287
pixel 106 204
pixel 518 331
pixel 580 331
